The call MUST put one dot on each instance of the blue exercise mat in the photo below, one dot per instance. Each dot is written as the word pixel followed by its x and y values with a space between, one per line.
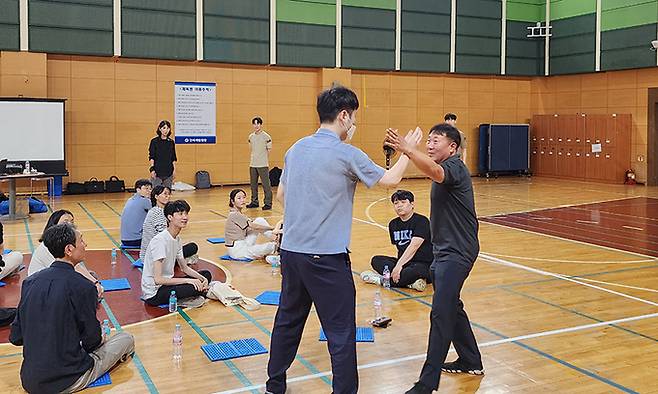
pixel 363 334
pixel 138 263
pixel 2 284
pixel 103 380
pixel 233 349
pixel 115 284
pixel 269 297
pixel 6 251
pixel 216 240
pixel 227 257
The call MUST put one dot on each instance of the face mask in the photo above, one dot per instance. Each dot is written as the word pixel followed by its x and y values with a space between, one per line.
pixel 350 132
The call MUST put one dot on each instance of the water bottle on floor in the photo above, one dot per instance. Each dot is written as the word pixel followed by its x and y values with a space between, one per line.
pixel 386 278
pixel 377 305
pixel 177 351
pixel 114 256
pixel 173 302
pixel 106 330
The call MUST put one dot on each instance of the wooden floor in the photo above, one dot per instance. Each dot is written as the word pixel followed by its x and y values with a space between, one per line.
pixel 552 311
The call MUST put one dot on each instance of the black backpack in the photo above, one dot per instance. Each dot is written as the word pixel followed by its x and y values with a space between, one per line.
pixel 275 176
pixel 202 180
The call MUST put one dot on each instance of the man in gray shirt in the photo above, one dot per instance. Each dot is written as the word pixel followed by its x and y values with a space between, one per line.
pixel 317 189
pixel 260 143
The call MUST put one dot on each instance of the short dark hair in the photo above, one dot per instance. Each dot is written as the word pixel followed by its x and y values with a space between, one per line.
pixel 448 131
pixel 231 196
pixel 156 192
pixel 450 116
pixel 142 182
pixel 161 124
pixel 176 206
pixel 257 119
pixel 54 219
pixel 57 237
pixel 401 195
pixel 336 99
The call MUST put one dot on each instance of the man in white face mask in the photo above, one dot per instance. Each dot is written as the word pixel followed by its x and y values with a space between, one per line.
pixel 317 187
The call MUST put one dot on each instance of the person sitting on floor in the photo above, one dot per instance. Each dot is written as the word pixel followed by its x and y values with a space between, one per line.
pixel 410 233
pixel 134 213
pixel 42 258
pixel 162 254
pixel 9 262
pixel 156 222
pixel 241 233
pixel 63 350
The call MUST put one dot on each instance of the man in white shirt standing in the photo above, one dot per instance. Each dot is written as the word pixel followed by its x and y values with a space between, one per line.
pixel 261 144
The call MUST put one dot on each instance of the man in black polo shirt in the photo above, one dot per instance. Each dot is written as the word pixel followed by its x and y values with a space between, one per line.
pixel 455 245
pixel 56 323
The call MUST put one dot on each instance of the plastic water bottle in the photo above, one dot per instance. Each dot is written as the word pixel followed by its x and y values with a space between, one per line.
pixel 173 302
pixel 386 278
pixel 377 304
pixel 114 256
pixel 26 170
pixel 177 351
pixel 106 330
pixel 275 265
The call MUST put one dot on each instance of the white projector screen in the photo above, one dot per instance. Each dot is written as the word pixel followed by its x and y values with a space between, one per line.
pixel 32 130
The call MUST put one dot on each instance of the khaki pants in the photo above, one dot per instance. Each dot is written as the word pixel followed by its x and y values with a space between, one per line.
pixel 115 349
pixel 264 174
pixel 13 261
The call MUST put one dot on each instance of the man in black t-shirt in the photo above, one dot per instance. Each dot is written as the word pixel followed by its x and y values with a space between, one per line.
pixel 455 245
pixel 410 233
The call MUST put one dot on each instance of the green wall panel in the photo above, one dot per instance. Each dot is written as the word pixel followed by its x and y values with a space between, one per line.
pixel 627 48
pixel 9 25
pixel 562 9
pixel 425 36
pixel 526 10
pixel 524 56
pixel 161 29
pixel 74 27
pixel 309 45
pixel 573 45
pixel 383 4
pixel 318 12
pixel 237 31
pixel 368 38
pixel 478 33
pixel 619 14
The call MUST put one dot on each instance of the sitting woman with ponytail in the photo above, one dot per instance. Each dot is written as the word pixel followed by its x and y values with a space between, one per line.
pixel 241 232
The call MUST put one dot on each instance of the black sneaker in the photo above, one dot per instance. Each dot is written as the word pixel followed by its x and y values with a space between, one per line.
pixel 267 207
pixel 252 205
pixel 419 388
pixel 457 367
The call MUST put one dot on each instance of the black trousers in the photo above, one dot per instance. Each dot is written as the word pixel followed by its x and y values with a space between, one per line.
pixel 448 323
pixel 326 281
pixel 190 249
pixel 182 291
pixel 411 272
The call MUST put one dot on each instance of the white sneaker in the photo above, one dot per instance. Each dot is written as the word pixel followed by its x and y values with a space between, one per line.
pixel 418 285
pixel 371 277
pixel 273 259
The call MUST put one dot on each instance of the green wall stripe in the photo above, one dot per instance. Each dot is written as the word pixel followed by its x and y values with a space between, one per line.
pixel 633 13
pixel 382 4
pixel 561 9
pixel 526 10
pixel 318 12
pixel 308 45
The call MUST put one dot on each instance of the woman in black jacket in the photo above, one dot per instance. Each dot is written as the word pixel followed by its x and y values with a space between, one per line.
pixel 162 155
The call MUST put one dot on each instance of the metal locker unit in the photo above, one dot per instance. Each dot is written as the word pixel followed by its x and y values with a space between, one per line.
pixel 504 148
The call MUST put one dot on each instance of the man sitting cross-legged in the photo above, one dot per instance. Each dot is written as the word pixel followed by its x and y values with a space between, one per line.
pixel 410 233
pixel 56 323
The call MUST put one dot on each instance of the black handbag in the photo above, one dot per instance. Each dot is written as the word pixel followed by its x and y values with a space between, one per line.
pixel 94 186
pixel 115 185
pixel 75 188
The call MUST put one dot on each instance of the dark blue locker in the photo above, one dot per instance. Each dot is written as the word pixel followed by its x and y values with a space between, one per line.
pixel 503 148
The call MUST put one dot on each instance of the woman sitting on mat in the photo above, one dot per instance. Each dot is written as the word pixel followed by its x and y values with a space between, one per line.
pixel 42 258
pixel 10 262
pixel 242 232
pixel 156 222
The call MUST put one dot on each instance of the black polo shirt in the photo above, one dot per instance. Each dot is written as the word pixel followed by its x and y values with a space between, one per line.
pixel 57 326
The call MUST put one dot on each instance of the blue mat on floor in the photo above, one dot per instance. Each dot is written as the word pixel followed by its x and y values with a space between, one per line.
pixel 2 284
pixel 115 284
pixel 103 380
pixel 6 251
pixel 227 257
pixel 138 263
pixel 269 297
pixel 216 240
pixel 363 334
pixel 233 349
